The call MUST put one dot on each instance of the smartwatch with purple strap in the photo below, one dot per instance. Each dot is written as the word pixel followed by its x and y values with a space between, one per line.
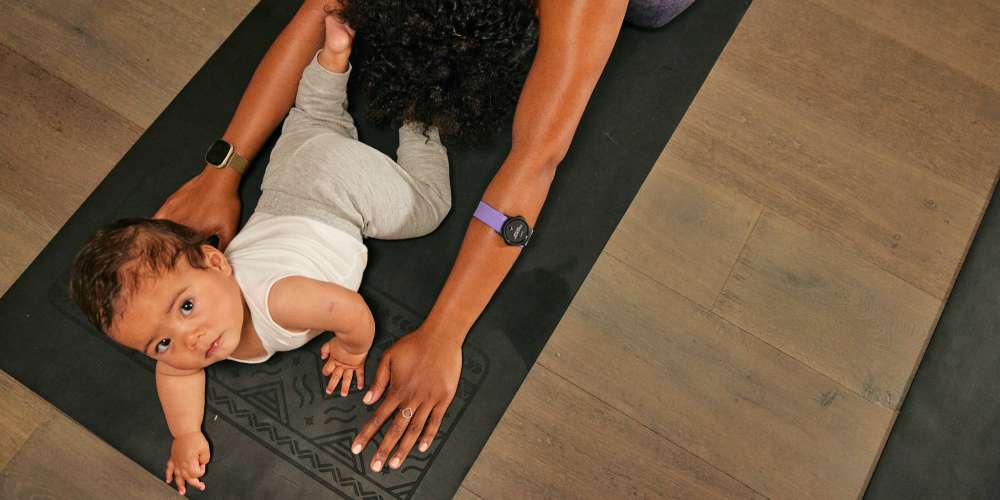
pixel 515 231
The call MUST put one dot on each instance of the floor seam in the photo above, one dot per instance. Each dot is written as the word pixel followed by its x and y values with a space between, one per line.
pixel 644 426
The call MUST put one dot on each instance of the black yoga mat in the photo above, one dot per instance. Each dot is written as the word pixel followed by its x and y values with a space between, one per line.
pixel 946 440
pixel 273 433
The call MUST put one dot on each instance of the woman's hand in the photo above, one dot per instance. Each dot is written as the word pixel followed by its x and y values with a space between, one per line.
pixel 188 456
pixel 208 203
pixel 423 370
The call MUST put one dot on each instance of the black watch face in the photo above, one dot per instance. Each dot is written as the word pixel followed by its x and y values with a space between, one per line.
pixel 516 231
pixel 217 154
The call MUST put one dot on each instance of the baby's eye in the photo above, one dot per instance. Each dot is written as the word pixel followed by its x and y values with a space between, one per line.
pixel 162 345
pixel 187 307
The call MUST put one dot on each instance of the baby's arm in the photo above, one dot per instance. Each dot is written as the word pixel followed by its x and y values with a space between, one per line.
pixel 300 303
pixel 182 395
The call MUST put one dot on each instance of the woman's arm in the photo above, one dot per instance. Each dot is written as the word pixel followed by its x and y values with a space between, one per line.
pixel 209 202
pixel 575 41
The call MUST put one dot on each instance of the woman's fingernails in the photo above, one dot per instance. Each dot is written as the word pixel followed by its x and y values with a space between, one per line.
pixel 394 463
pixel 368 397
pixel 356 449
pixel 423 447
pixel 377 466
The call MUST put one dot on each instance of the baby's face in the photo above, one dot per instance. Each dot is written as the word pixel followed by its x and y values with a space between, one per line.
pixel 187 318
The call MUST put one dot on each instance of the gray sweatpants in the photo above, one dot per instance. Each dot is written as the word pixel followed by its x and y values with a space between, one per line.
pixel 319 169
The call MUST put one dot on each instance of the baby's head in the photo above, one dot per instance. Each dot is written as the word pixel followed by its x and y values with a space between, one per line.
pixel 156 287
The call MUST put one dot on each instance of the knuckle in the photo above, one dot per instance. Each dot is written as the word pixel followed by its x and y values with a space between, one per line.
pixel 399 426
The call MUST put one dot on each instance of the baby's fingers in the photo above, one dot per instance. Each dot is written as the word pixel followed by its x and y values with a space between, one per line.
pixel 194 470
pixel 196 483
pixel 179 479
pixel 170 471
pixel 334 379
pixel 345 382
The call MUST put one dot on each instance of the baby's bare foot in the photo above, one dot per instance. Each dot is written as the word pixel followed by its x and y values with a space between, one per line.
pixel 337 46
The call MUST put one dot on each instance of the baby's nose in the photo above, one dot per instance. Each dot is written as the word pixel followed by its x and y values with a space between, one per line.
pixel 194 338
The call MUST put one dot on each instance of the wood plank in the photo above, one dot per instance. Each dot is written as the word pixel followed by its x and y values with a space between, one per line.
pixel 64 460
pixel 56 147
pixel 828 308
pixel 845 146
pixel 752 411
pixel 899 102
pixel 557 441
pixel 464 493
pixel 131 55
pixel 684 233
pixel 21 412
pixel 963 34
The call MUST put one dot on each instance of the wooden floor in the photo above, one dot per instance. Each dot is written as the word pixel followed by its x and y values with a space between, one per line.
pixel 757 341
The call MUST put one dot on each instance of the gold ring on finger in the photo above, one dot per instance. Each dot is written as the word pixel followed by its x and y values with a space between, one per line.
pixel 407 412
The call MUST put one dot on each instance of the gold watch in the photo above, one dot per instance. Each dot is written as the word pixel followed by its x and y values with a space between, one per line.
pixel 222 154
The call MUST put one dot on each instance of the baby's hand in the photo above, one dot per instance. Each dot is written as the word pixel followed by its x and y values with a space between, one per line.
pixel 342 365
pixel 188 456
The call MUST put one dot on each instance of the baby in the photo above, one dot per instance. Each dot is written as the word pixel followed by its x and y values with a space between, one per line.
pixel 293 271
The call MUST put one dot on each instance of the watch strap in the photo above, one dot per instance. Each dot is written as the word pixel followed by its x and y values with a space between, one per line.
pixel 237 162
pixel 490 216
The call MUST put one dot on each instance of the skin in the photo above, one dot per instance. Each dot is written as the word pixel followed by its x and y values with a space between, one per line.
pixel 188 318
pixel 420 372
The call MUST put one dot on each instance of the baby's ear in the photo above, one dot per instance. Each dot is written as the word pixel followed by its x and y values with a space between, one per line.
pixel 215 259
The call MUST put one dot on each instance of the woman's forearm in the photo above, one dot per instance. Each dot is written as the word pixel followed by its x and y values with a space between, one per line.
pixel 575 41
pixel 271 92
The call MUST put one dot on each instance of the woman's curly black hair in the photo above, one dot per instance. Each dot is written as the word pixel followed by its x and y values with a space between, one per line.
pixel 456 64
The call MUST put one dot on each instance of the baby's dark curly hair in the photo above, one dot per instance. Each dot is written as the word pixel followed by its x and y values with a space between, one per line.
pixel 108 269
pixel 456 64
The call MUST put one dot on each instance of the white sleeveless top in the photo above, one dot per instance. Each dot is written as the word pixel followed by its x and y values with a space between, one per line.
pixel 272 247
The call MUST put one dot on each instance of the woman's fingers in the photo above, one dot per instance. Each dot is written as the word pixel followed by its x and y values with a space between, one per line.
pixel 373 424
pixel 433 424
pixel 416 425
pixel 225 234
pixel 392 435
pixel 345 382
pixel 381 381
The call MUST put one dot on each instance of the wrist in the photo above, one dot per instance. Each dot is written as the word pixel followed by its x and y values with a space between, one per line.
pixel 224 178
pixel 334 62
pixel 440 334
pixel 357 347
pixel 186 433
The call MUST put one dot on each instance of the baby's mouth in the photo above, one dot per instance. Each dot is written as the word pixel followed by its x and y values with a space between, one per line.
pixel 215 345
